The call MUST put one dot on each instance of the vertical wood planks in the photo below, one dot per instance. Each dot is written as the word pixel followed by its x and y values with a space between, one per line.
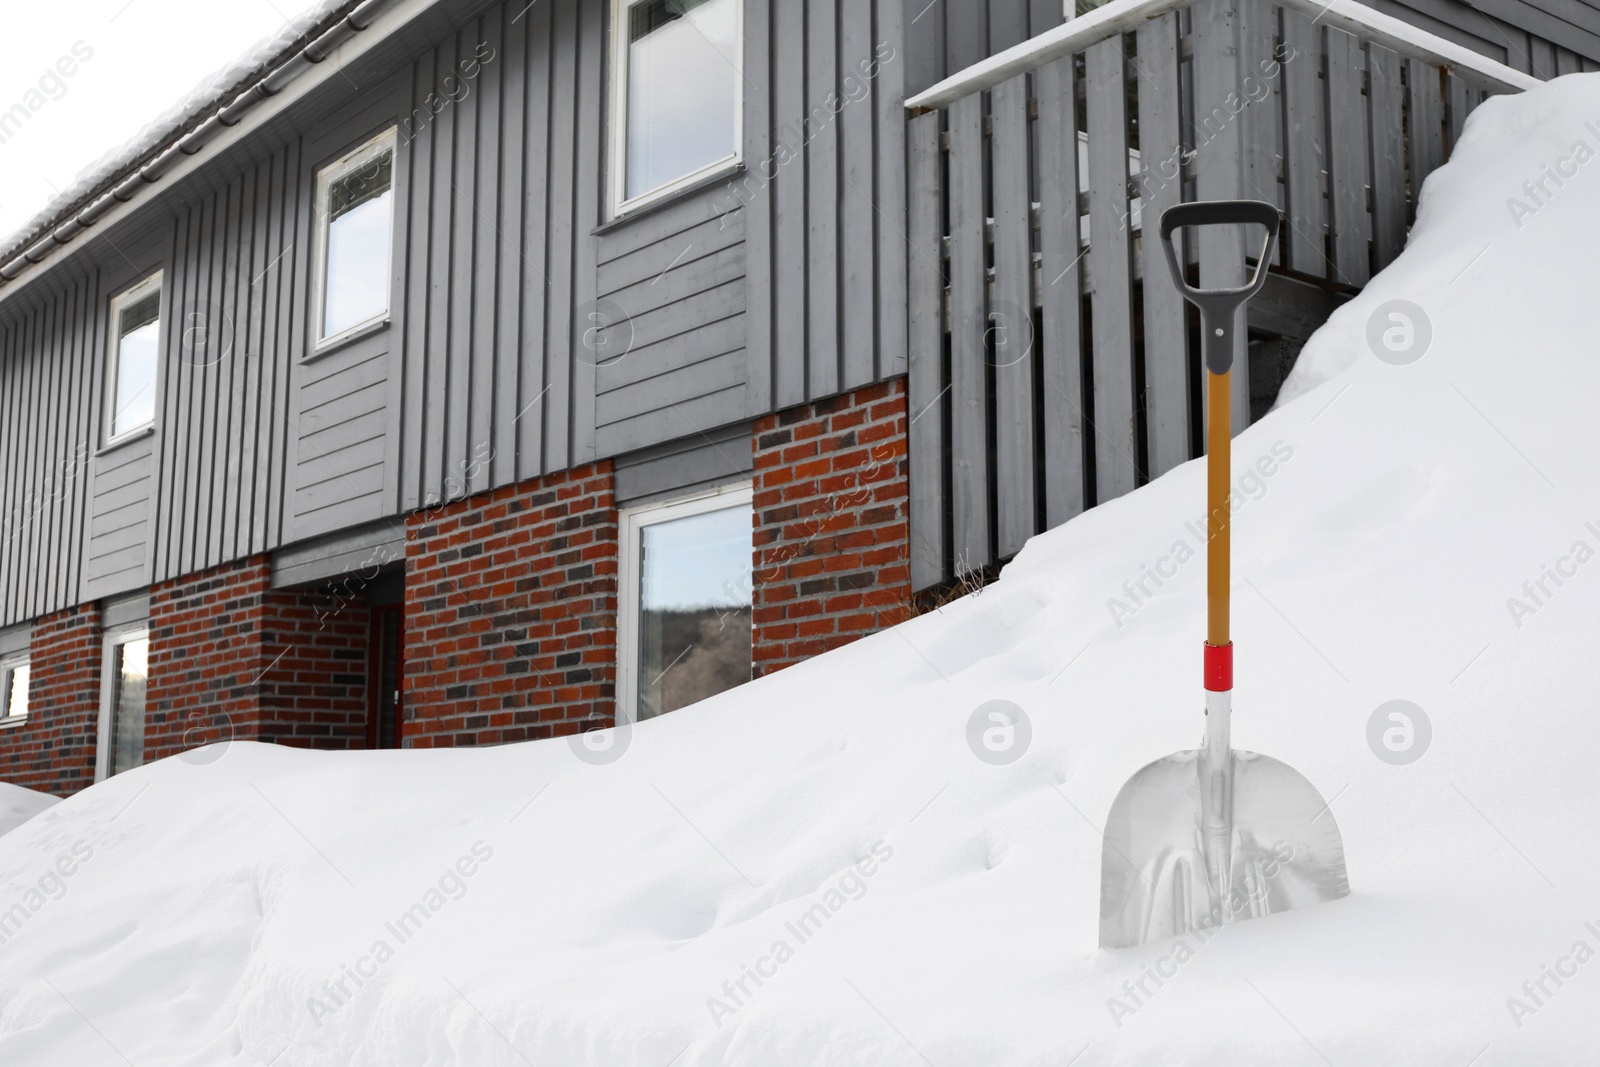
pixel 465 190
pixel 966 33
pixel 823 287
pixel 1011 348
pixel 586 214
pixel 857 219
pixel 927 386
pixel 1219 169
pixel 1425 126
pixel 788 190
pixel 1347 144
pixel 1160 185
pixel 1008 23
pixel 1115 424
pixel 509 265
pixel 434 352
pixel 1305 150
pixel 969 390
pixel 1386 130
pixel 414 342
pixel 1261 90
pixel 1456 93
pixel 484 411
pixel 534 399
pixel 889 95
pixel 923 43
pixel 1060 292
pixel 758 277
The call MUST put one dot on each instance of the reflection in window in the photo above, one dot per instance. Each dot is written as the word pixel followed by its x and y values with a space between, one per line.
pixel 681 66
pixel 14 691
pixel 356 209
pixel 130 663
pixel 694 608
pixel 136 319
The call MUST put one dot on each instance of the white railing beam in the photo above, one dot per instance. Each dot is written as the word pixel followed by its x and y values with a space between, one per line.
pixel 1121 16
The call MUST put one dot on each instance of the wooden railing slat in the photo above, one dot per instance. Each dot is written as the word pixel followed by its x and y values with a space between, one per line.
pixel 926 389
pixel 1166 361
pixel 1011 321
pixel 1110 235
pixel 1347 146
pixel 969 320
pixel 1218 175
pixel 1305 155
pixel 1060 291
pixel 1386 131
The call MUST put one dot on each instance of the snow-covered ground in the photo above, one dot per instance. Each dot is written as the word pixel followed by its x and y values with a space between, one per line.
pixel 18 805
pixel 817 869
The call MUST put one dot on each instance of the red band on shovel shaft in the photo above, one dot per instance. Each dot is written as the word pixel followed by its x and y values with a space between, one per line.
pixel 1219 667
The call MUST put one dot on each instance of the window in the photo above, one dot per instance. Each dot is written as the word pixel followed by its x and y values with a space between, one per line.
pixel 135 352
pixel 683 633
pixel 675 94
pixel 355 229
pixel 127 662
pixel 13 691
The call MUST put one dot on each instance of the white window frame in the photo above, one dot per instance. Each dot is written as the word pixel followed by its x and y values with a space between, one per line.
pixel 7 665
pixel 115 637
pixel 631 523
pixel 346 164
pixel 620 203
pixel 114 358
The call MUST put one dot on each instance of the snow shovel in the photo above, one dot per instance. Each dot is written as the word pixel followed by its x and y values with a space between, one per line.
pixel 1216 834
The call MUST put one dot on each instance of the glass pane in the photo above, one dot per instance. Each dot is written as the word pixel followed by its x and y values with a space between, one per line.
pixel 694 608
pixel 360 206
pixel 16 695
pixel 138 333
pixel 683 88
pixel 130 663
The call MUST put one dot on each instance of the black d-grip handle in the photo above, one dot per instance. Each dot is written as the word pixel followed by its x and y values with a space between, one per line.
pixel 1218 305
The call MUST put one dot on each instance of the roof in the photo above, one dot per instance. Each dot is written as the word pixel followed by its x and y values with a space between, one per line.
pixel 217 102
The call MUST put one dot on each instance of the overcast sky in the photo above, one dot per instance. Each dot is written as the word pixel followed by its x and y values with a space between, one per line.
pixel 143 56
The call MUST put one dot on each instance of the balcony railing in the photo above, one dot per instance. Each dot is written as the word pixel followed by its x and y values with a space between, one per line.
pixel 1045 376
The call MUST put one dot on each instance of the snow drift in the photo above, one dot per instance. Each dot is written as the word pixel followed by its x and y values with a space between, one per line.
pixel 817 869
pixel 18 805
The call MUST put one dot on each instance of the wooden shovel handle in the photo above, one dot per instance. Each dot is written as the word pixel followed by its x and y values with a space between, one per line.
pixel 1218 452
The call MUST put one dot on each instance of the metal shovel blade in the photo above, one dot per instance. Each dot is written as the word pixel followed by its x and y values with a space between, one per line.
pixel 1163 874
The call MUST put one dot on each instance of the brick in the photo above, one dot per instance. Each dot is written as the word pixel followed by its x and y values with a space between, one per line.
pixel 535 631
pixel 842 479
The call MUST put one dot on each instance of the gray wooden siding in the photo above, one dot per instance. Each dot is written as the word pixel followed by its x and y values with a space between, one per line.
pixel 223 410
pixel 778 284
pixel 761 290
pixel 667 335
pixel 945 36
pixel 48 426
pixel 1546 39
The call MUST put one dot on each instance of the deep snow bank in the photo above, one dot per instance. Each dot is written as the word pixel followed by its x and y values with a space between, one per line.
pixel 18 805
pixel 818 869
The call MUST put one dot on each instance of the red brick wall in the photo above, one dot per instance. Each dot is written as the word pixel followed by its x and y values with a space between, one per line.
pixel 314 681
pixel 510 616
pixel 832 547
pixel 54 751
pixel 230 658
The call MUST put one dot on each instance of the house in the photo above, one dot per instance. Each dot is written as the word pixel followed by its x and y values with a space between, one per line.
pixel 463 373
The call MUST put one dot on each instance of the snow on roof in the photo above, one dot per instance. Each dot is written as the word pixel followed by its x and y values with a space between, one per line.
pixel 815 868
pixel 196 105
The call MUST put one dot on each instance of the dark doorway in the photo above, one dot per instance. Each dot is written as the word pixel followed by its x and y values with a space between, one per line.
pixel 386 662
pixel 383 682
